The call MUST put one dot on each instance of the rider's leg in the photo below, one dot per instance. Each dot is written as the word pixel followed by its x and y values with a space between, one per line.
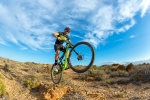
pixel 56 56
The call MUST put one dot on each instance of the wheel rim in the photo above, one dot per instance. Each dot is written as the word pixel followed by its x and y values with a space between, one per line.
pixel 56 76
pixel 83 60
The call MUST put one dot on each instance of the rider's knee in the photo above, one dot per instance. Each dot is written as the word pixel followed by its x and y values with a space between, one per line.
pixel 57 52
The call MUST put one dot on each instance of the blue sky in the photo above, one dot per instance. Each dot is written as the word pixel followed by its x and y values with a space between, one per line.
pixel 118 29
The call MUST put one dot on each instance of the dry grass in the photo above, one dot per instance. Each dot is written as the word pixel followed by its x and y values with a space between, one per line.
pixel 141 73
pixel 31 75
pixel 106 74
pixel 2 86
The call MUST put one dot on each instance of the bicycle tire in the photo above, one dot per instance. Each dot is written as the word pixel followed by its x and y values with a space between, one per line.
pixel 56 81
pixel 90 62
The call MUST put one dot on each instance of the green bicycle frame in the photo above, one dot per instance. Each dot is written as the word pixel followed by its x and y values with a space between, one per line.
pixel 66 55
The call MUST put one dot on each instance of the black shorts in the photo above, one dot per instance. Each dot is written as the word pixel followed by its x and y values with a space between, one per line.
pixel 59 47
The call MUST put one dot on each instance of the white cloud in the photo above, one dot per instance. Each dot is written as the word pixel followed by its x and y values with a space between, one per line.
pixel 77 36
pixel 2 41
pixel 92 39
pixel 103 18
pixel 108 17
pixel 144 6
pixel 126 26
pixel 23 48
pixel 132 36
pixel 31 23
pixel 118 40
pixel 126 9
pixel 84 6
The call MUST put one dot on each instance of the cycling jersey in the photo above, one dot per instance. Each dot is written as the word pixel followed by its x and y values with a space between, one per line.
pixel 63 38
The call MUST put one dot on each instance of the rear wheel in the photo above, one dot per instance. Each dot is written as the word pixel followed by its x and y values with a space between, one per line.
pixel 81 57
pixel 56 75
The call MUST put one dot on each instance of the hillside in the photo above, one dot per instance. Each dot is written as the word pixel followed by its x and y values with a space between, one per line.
pixel 31 81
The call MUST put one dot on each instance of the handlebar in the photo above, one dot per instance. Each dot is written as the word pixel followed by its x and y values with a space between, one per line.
pixel 70 44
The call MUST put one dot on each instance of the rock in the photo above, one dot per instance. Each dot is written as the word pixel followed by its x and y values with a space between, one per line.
pixel 55 94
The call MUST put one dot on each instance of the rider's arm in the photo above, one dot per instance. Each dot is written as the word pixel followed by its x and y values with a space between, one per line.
pixel 70 43
pixel 55 34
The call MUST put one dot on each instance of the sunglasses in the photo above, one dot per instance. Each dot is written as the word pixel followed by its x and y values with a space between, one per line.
pixel 67 31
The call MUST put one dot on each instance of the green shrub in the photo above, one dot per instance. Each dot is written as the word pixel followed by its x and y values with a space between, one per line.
pixel 119 73
pixel 6 68
pixel 108 81
pixel 141 73
pixel 2 88
pixel 98 74
pixel 120 94
pixel 121 67
pixel 31 83
pixel 113 68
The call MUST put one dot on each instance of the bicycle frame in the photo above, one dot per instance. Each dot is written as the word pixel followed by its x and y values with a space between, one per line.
pixel 63 61
pixel 69 56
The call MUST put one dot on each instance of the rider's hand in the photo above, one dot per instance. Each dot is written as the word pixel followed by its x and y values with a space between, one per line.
pixel 58 38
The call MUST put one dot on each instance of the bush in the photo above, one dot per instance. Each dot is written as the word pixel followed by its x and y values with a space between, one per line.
pixel 120 94
pixel 119 73
pixel 114 68
pixel 92 74
pixel 6 68
pixel 129 67
pixel 100 75
pixel 2 88
pixel 141 73
pixel 31 83
pixel 121 67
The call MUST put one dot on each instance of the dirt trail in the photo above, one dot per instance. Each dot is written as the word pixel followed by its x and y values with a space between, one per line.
pixel 15 91
pixel 84 89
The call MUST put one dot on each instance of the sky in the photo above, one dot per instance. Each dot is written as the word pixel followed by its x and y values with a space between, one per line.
pixel 117 29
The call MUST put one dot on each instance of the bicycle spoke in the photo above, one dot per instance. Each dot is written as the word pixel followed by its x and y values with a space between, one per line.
pixel 84 59
pixel 56 75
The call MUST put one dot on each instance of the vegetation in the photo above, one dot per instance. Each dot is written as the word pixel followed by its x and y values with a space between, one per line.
pixel 31 82
pixel 6 68
pixel 2 86
pixel 29 76
pixel 116 73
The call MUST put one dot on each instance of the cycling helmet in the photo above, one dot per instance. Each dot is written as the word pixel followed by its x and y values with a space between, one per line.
pixel 67 29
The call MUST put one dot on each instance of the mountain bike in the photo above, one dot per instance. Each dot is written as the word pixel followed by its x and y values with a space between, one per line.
pixel 80 58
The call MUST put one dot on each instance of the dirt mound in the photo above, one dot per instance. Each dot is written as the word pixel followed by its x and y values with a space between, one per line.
pixel 52 92
pixel 55 93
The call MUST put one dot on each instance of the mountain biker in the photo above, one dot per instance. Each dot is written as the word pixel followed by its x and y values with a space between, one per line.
pixel 61 37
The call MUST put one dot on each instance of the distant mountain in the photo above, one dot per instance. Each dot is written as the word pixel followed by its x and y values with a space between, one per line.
pixel 126 63
pixel 138 62
pixel 110 63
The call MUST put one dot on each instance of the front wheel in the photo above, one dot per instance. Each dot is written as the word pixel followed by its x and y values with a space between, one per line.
pixel 81 57
pixel 56 73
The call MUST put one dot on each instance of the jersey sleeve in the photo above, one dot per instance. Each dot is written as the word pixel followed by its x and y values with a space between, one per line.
pixel 57 33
